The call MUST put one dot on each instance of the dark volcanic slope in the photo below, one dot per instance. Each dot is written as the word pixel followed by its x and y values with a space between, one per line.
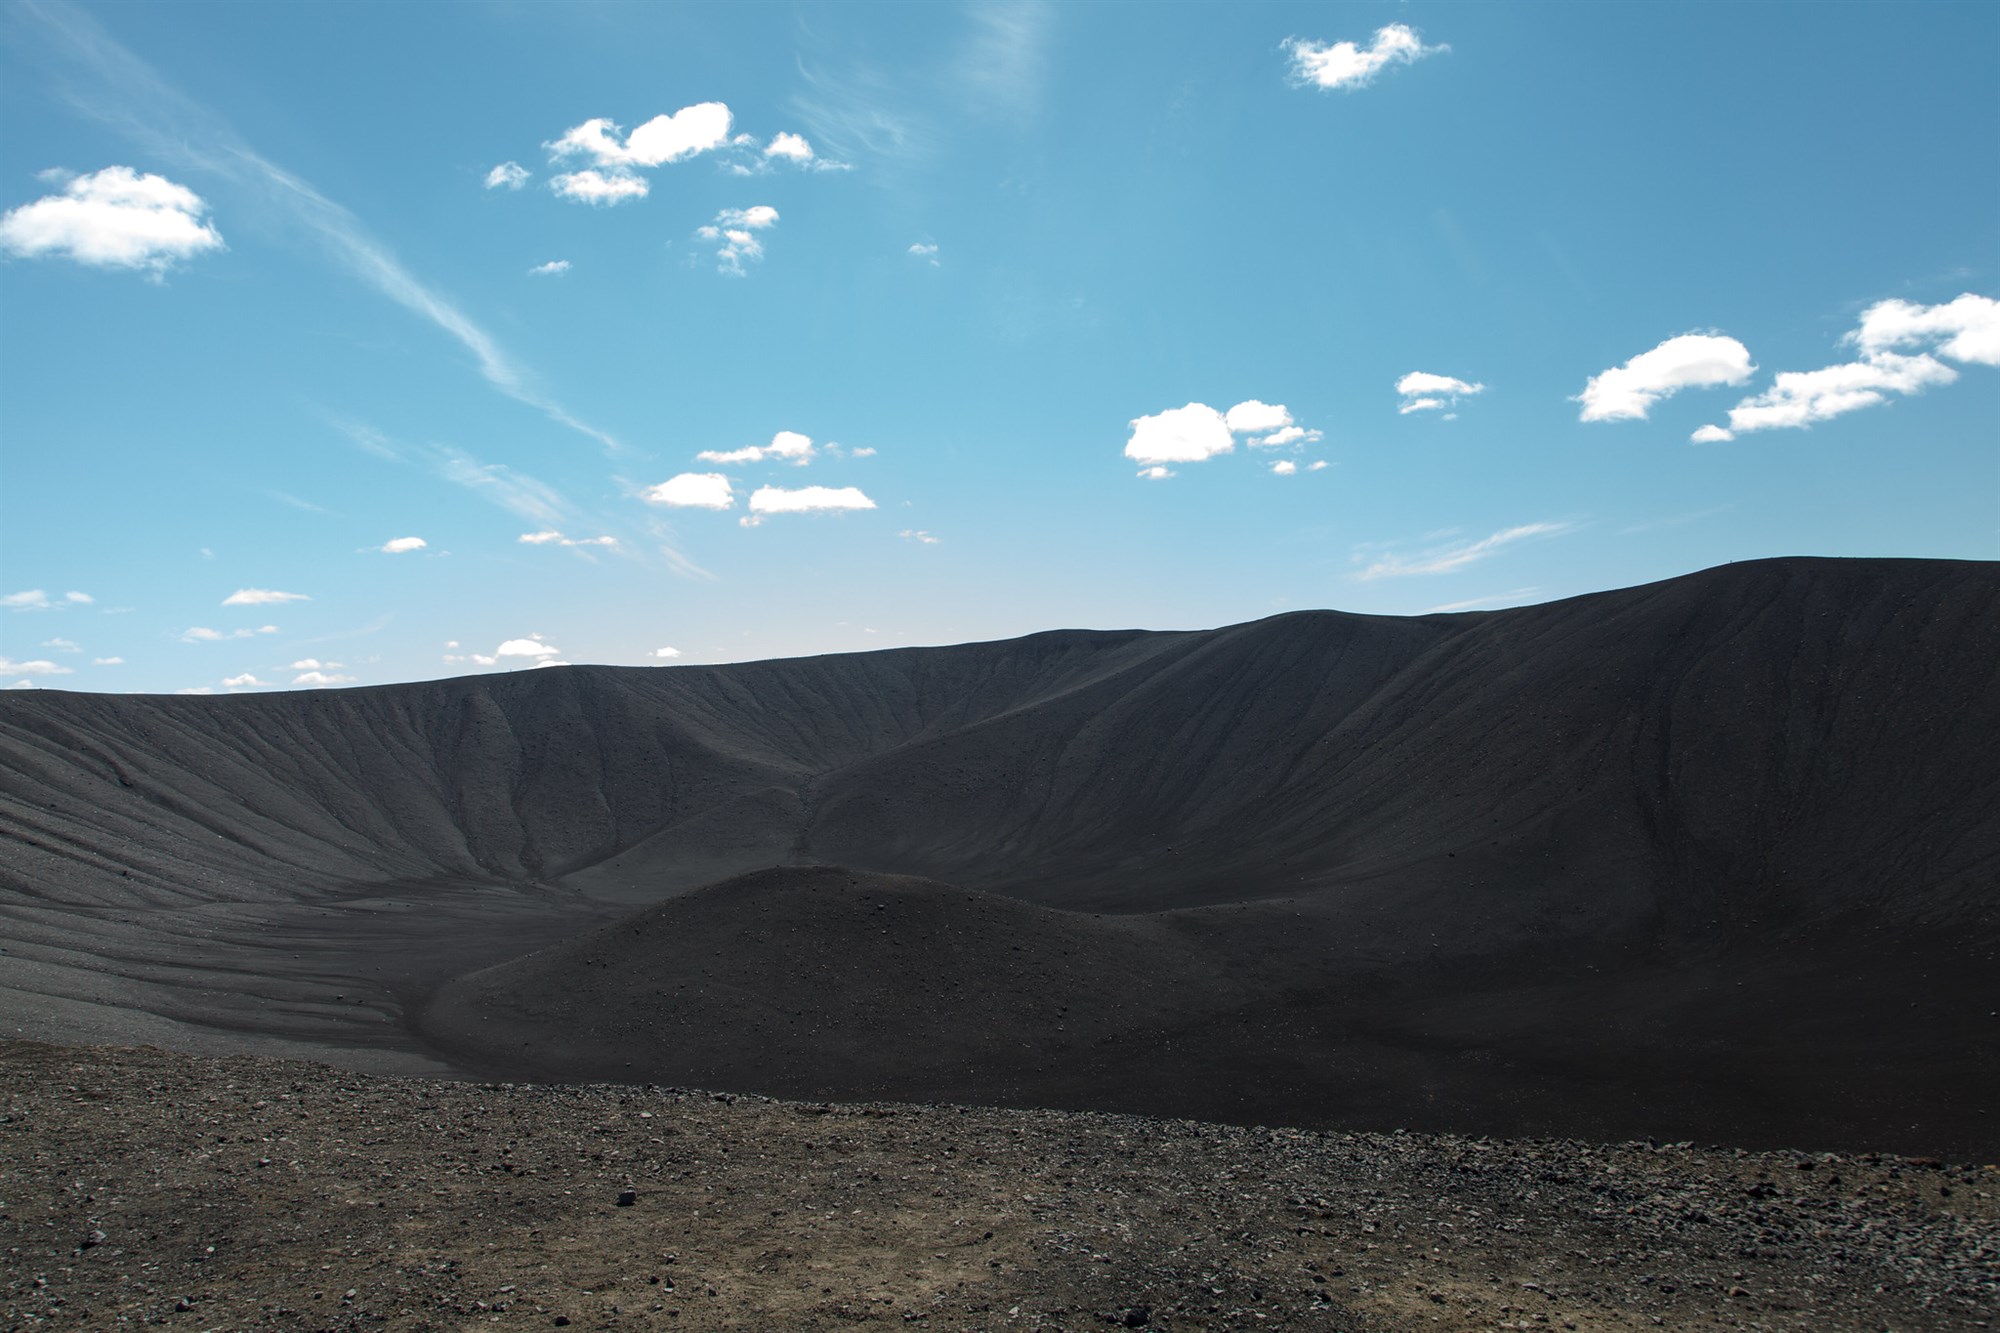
pixel 1723 845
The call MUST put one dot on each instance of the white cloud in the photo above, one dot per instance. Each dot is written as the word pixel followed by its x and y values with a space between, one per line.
pixel 62 645
pixel 600 187
pixel 319 678
pixel 552 538
pixel 1966 329
pixel 1445 559
pixel 791 147
pixel 262 597
pixel 788 445
pixel 399 545
pixel 202 634
pixel 38 667
pixel 1349 65
pixel 1190 434
pixel 555 268
pixel 735 230
pixel 532 646
pixel 30 599
pixel 107 661
pixel 114 218
pixel 692 490
pixel 245 681
pixel 484 660
pixel 1316 465
pixel 865 451
pixel 1422 391
pixel 195 689
pixel 1254 417
pixel 508 175
pixel 1284 467
pixel 925 250
pixel 665 654
pixel 1690 361
pixel 917 536
pixel 309 664
pixel 666 138
pixel 1156 473
pixel 1801 397
pixel 804 500
pixel 79 598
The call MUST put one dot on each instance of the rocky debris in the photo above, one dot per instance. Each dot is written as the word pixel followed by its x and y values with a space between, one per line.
pixel 407 1204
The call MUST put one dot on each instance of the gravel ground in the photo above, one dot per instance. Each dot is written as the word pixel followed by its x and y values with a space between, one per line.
pixel 139 1187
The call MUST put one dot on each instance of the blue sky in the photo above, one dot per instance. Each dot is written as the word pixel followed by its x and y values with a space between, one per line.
pixel 994 318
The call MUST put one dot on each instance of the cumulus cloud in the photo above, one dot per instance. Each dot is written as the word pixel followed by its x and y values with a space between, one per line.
pixel 319 678
pixel 555 268
pixel 79 598
pixel 916 535
pixel 1456 555
pixel 692 490
pixel 1191 434
pixel 311 664
pixel 665 654
pixel 63 645
pixel 735 232
pixel 554 538
pixel 399 545
pixel 248 680
pixel 925 250
pixel 787 446
pixel 1966 329
pixel 195 689
pixel 1350 65
pixel 114 218
pixel 1801 397
pixel 1284 467
pixel 1690 361
pixel 791 148
pixel 600 187
pixel 1422 391
pixel 38 667
pixel 107 661
pixel 1316 465
pixel 766 500
pixel 201 634
pixel 262 597
pixel 685 133
pixel 507 176
pixel 1198 432
pixel 532 647
pixel 1254 417
pixel 28 599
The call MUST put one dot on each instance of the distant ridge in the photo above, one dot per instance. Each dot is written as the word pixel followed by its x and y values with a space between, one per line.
pixel 1716 854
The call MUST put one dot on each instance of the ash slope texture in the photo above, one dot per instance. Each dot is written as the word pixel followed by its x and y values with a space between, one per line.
pixel 1712 858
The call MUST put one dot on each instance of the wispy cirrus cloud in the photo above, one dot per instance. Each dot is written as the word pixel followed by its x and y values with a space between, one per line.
pixel 113 86
pixel 1453 556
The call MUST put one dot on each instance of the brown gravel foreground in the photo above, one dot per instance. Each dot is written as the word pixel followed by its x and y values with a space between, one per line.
pixel 139 1187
